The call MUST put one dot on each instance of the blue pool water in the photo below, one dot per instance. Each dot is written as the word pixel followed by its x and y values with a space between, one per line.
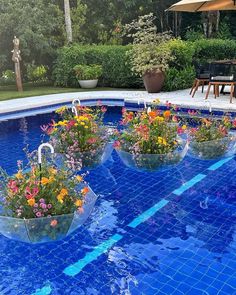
pixel 150 233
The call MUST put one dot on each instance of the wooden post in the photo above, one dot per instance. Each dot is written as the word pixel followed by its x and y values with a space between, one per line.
pixel 16 58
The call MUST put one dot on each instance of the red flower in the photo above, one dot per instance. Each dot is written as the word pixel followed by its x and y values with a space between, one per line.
pixel 31 194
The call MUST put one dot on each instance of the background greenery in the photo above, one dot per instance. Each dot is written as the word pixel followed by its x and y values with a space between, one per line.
pixel 97 34
pixel 117 69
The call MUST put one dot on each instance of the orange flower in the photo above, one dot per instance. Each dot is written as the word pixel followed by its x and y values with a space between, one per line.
pixel 31 202
pixel 166 114
pixel 78 203
pixel 53 223
pixel 85 190
pixel 64 192
pixel 152 114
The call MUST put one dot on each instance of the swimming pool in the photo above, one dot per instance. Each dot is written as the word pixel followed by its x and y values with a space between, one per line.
pixel 161 233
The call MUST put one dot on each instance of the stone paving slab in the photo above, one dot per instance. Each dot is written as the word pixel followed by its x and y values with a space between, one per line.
pixel 180 98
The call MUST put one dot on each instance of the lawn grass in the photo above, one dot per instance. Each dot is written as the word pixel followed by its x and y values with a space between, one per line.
pixel 10 92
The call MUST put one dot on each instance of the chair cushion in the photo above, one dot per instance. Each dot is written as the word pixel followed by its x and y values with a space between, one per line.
pixel 222 78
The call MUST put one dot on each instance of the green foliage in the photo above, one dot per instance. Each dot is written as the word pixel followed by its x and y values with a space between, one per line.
pixel 88 72
pixel 194 34
pixel 36 73
pixel 7 78
pixel 150 51
pixel 214 49
pixel 179 79
pixel 116 66
pixel 38 25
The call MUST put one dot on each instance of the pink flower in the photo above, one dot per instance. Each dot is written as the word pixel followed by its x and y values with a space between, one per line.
pixel 70 124
pixel 91 140
pixel 49 206
pixel 12 184
pixel 103 109
pixel 38 214
pixel 180 130
pixel 43 206
pixel 42 201
pixel 30 194
pixel 117 144
pixel 234 123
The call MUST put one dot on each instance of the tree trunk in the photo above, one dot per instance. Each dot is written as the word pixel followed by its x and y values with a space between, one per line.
pixel 68 21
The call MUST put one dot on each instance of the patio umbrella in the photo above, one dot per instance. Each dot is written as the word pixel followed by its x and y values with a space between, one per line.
pixel 200 5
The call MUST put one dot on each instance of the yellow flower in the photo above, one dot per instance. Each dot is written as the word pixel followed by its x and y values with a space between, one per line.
pixel 157 100
pixel 61 110
pixel 53 171
pixel 78 203
pixel 160 119
pixel 164 142
pixel 19 175
pixel 184 127
pixel 31 202
pixel 60 198
pixel 64 192
pixel 86 127
pixel 79 178
pixel 159 139
pixel 44 180
pixel 82 123
pixel 62 123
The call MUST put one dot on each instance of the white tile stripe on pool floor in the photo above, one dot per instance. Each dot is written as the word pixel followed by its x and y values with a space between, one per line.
pixel 74 269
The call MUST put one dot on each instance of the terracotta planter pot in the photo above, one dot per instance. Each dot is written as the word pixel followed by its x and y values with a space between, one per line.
pixel 153 81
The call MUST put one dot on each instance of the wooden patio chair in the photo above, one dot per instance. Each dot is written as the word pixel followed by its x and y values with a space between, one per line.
pixel 202 77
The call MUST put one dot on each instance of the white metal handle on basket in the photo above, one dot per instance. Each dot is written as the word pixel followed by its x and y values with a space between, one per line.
pixel 76 101
pixel 149 110
pixel 43 145
pixel 74 111
pixel 144 102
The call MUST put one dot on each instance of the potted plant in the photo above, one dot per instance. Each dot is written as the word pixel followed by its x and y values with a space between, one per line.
pixel 149 142
pixel 42 204
pixel 80 139
pixel 88 75
pixel 212 139
pixel 150 54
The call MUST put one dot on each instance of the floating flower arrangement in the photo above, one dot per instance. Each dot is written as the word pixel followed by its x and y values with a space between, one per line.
pixel 81 140
pixel 41 203
pixel 150 140
pixel 212 139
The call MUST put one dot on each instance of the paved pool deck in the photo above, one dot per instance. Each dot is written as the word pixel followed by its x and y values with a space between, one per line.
pixel 180 98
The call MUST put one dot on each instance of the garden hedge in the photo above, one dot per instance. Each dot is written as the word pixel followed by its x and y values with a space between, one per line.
pixel 116 66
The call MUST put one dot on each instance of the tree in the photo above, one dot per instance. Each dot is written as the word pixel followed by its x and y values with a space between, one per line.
pixel 38 25
pixel 68 21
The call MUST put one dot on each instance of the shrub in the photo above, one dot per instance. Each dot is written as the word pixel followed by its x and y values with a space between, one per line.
pixel 214 49
pixel 7 78
pixel 116 66
pixel 36 73
pixel 179 79
pixel 88 72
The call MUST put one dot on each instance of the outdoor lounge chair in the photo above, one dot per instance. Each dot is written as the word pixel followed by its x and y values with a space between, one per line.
pixel 202 77
pixel 221 74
